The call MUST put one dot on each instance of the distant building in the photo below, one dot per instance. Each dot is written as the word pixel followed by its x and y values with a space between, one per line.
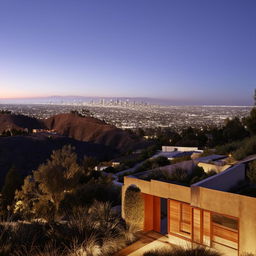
pixel 44 131
pixel 177 148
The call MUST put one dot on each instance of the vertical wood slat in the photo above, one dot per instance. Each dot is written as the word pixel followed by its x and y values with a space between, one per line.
pixel 168 216
pixel 206 228
pixel 180 216
pixel 174 216
pixel 186 219
pixel 197 220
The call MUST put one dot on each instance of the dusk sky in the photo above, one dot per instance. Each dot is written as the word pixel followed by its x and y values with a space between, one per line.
pixel 187 51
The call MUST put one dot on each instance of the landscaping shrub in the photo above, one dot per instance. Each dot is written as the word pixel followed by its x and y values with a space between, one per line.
pixel 251 172
pixel 134 207
pixel 199 251
pixel 94 230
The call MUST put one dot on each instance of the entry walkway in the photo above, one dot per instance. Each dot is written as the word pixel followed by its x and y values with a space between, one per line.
pixel 148 241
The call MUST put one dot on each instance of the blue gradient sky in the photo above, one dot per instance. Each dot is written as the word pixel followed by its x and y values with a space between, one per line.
pixel 190 51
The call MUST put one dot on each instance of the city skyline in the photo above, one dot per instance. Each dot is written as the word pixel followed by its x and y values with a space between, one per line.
pixel 180 52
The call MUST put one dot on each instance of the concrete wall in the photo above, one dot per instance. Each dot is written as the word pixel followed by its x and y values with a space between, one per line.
pixel 247 224
pixel 159 189
pixel 242 207
pixel 225 180
pixel 215 201
pixel 176 148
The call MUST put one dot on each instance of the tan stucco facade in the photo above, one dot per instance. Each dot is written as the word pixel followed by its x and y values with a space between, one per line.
pixel 228 204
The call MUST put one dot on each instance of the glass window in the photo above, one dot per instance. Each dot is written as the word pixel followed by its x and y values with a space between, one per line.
pixel 225 221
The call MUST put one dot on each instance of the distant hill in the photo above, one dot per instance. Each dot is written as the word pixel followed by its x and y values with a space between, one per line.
pixel 27 152
pixel 74 126
pixel 91 130
pixel 19 122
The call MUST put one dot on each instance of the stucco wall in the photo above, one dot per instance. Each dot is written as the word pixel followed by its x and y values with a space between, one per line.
pixel 242 207
pixel 247 213
pixel 160 189
pixel 215 201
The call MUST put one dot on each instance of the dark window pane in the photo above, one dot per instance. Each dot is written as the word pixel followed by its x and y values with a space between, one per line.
pixel 225 221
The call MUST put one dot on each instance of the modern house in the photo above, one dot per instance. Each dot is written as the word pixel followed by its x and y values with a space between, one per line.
pixel 210 212
pixel 174 152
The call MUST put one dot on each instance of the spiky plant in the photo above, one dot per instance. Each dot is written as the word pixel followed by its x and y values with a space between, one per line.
pixel 178 251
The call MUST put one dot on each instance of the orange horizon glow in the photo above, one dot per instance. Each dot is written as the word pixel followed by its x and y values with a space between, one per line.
pixel 22 97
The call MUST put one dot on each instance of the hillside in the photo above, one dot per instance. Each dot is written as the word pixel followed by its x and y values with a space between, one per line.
pixel 27 152
pixel 80 128
pixel 18 122
pixel 91 130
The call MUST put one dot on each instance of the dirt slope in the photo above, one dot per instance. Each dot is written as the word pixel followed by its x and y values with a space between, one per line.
pixel 91 130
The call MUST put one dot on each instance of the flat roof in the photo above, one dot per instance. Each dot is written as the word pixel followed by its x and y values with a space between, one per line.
pixel 207 159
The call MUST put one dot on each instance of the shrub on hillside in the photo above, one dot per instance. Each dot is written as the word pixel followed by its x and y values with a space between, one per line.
pixel 248 147
pixel 228 148
pixel 251 173
pixel 152 164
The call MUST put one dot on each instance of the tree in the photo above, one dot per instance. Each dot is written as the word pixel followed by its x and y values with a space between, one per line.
pixel 26 198
pixel 13 181
pixel 57 183
pixel 251 173
pixel 250 121
pixel 234 130
pixel 58 175
pixel 89 163
pixel 47 187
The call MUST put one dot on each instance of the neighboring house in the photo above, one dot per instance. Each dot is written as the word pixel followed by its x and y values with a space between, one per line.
pixel 172 155
pixel 206 213
pixel 102 166
pixel 172 152
pixel 44 131
pixel 177 148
